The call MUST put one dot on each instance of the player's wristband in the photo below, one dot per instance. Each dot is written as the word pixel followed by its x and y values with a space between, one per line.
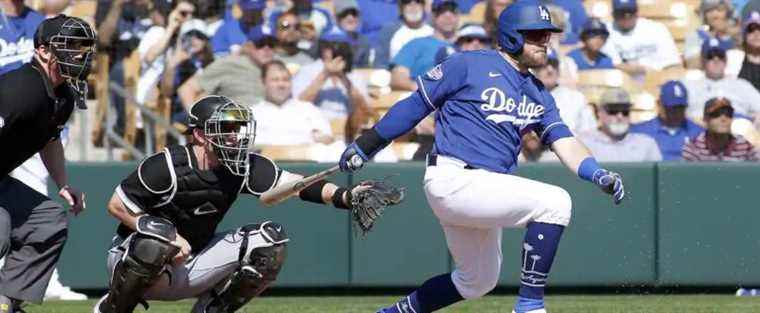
pixel 337 198
pixel 313 193
pixel 587 169
pixel 370 142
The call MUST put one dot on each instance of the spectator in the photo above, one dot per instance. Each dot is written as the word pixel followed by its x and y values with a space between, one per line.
pixel 121 25
pixel 314 21
pixel 717 19
pixel 237 77
pixel 470 37
pixel 418 56
pixel 750 67
pixel 349 20
pixel 394 36
pixel 377 14
pixel 575 15
pixel 572 105
pixel 288 35
pixel 717 143
pixel 16 38
pixel 670 129
pixel 637 44
pixel 331 85
pixel 612 141
pixel 284 120
pixel 744 98
pixel 191 54
pixel 231 35
pixel 487 14
pixel 54 7
pixel 589 56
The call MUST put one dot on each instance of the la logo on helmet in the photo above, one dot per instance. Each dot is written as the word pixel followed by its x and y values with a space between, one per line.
pixel 544 13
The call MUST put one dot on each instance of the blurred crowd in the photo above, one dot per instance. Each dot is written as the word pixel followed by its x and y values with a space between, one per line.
pixel 635 80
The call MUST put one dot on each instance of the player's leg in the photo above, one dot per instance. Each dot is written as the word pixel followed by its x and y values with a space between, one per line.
pixel 477 257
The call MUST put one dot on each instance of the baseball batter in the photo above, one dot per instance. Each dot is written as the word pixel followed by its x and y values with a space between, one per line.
pixel 484 101
pixel 169 207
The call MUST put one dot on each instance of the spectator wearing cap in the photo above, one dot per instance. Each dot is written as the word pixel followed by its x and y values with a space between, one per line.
pixel 573 107
pixel 750 66
pixel 612 141
pixel 418 55
pixel 348 18
pixel 670 129
pixel 237 77
pixel 231 34
pixel 284 120
pixel 18 24
pixel 637 44
pixel 575 15
pixel 314 21
pixel 717 143
pixel 394 36
pixel 378 14
pixel 744 98
pixel 716 18
pixel 332 85
pixel 590 57
pixel 470 37
pixel 287 31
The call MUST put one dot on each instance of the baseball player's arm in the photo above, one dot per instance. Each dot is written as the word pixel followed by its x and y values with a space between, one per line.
pixel 118 210
pixel 571 152
pixel 53 158
pixel 576 157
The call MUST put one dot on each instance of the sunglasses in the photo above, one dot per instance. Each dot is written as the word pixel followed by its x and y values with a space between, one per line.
pixel 466 40
pixel 623 13
pixel 345 13
pixel 539 36
pixel 405 2
pixel 728 112
pixel 616 112
pixel 265 42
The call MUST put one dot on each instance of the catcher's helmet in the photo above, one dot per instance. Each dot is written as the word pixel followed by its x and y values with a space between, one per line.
pixel 229 127
pixel 520 16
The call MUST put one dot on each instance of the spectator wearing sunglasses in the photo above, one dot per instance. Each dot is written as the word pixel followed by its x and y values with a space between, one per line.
pixel 590 57
pixel 612 141
pixel 288 34
pixel 717 143
pixel 637 44
pixel 744 98
pixel 349 20
pixel 670 129
pixel 470 37
pixel 418 55
pixel 237 77
pixel 231 34
pixel 394 35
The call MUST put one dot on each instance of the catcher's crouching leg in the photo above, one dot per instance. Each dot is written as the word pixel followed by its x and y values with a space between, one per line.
pixel 147 253
pixel 262 253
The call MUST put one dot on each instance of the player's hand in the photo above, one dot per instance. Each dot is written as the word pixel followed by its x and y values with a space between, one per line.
pixel 74 198
pixel 352 159
pixel 184 250
pixel 611 183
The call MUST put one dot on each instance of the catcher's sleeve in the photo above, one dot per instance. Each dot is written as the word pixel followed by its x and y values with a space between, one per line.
pixel 151 185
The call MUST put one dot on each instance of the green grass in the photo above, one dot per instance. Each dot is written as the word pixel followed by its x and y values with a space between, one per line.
pixel 556 304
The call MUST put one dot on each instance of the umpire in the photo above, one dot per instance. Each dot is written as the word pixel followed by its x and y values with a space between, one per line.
pixel 35 103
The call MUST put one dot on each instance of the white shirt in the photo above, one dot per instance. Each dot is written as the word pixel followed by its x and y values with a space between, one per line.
pixel 649 44
pixel 573 109
pixel 333 98
pixel 743 96
pixel 292 123
pixel 150 74
pixel 404 35
pixel 632 148
pixel 33 172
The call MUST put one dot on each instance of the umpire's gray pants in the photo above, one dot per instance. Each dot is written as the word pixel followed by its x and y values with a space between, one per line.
pixel 33 230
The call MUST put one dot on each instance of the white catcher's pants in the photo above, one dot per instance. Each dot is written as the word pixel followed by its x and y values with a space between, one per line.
pixel 473 205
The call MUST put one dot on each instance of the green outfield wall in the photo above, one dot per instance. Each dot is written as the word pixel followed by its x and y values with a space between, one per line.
pixel 681 225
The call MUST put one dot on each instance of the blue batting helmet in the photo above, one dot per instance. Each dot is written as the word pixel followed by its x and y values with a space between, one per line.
pixel 519 16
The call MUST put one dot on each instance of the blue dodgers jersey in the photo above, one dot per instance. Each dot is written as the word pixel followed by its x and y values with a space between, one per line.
pixel 17 39
pixel 484 106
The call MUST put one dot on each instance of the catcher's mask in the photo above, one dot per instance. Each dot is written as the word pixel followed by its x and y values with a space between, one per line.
pixel 72 41
pixel 229 127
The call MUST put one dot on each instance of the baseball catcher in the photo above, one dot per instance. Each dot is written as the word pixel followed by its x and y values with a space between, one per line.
pixel 169 207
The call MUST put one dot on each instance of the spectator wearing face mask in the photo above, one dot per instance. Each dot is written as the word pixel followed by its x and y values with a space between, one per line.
pixel 612 141
pixel 395 35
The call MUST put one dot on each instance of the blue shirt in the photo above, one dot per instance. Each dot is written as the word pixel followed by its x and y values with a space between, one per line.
pixel 602 61
pixel 418 55
pixel 726 43
pixel 17 39
pixel 484 106
pixel 228 35
pixel 670 141
pixel 465 6
pixel 375 14
pixel 577 16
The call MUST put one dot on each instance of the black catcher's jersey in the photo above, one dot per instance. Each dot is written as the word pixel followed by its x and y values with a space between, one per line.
pixel 169 184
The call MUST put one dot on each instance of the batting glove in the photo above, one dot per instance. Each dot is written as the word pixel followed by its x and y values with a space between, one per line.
pixel 352 159
pixel 611 183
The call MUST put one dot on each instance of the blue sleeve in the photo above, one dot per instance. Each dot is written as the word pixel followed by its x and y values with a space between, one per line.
pixel 551 127
pixel 443 80
pixel 406 56
pixel 402 117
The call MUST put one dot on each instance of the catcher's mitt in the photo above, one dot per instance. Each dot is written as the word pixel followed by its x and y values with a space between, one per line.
pixel 369 199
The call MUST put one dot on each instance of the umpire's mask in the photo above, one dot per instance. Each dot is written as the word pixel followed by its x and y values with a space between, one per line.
pixel 72 41
pixel 229 127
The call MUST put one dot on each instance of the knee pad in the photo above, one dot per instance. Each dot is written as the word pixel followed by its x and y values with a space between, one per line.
pixel 262 253
pixel 557 207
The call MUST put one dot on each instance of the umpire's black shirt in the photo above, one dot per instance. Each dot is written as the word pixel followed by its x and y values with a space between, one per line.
pixel 32 113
